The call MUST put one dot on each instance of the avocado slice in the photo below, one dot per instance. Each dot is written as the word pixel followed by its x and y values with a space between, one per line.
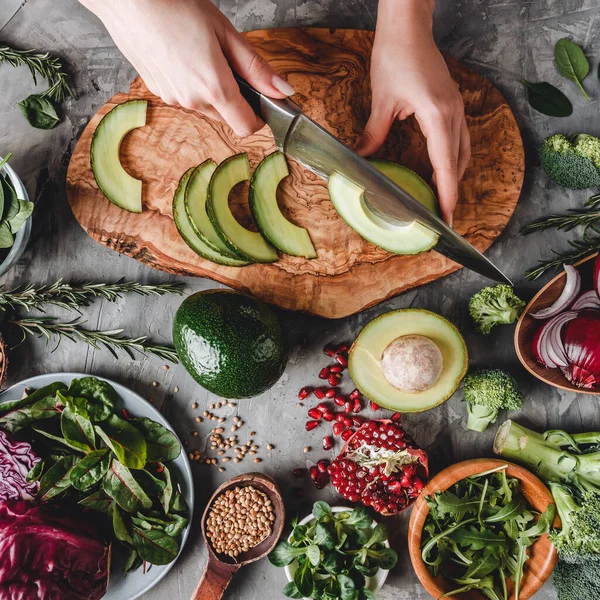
pixel 188 233
pixel 249 245
pixel 231 344
pixel 283 234
pixel 365 360
pixel 348 199
pixel 114 182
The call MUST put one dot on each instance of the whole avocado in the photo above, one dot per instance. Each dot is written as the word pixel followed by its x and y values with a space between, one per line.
pixel 231 344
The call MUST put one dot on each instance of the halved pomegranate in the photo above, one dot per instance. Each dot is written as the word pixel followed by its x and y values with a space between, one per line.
pixel 380 466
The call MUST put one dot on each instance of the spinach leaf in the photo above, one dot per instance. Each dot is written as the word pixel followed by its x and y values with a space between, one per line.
pixel 124 440
pixel 46 408
pixel 303 578
pixel 166 494
pixel 92 388
pixel 347 587
pixel 99 501
pixel 119 526
pixel 77 430
pixel 56 480
pixel 178 503
pixel 291 591
pixel 173 525
pixel 54 437
pixel 43 392
pixel 90 469
pixel 16 419
pixel 93 410
pixel 39 112
pixel 35 472
pixel 122 487
pixel 161 443
pixel 571 62
pixel 321 510
pixel 150 484
pixel 547 99
pixel 9 207
pixel 284 554
pixel 24 211
pixel 6 237
pixel 155 546
pixel 132 561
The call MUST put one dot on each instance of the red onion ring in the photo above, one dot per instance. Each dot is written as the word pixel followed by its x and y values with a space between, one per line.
pixel 569 293
pixel 549 346
pixel 588 299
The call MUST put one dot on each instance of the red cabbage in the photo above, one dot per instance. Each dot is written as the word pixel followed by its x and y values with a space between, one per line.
pixel 16 460
pixel 48 555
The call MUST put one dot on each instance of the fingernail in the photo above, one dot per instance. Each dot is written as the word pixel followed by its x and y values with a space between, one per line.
pixel 282 85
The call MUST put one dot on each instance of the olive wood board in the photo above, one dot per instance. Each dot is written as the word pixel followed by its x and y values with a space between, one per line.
pixel 329 69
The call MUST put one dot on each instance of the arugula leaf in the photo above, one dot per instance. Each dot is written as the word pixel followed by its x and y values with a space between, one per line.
pixel 122 487
pixel 162 445
pixel 39 112
pixel 476 539
pixel 90 469
pixel 127 443
pixel 571 63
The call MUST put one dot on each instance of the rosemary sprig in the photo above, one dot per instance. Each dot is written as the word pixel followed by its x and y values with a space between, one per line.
pixel 111 339
pixel 69 296
pixel 40 65
pixel 580 249
pixel 588 217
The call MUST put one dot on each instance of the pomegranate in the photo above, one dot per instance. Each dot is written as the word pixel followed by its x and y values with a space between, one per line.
pixel 380 466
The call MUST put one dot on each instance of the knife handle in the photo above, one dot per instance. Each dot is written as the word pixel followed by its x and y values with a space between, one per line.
pixel 251 95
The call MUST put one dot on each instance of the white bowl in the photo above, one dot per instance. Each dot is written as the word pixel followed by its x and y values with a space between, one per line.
pixel 373 583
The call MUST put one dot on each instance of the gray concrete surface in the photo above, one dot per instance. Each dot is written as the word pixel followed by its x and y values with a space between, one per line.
pixel 505 40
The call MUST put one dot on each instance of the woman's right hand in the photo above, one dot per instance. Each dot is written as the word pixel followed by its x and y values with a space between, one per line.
pixel 185 51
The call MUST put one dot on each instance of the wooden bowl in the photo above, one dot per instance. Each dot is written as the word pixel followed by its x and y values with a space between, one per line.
pixel 542 554
pixel 527 327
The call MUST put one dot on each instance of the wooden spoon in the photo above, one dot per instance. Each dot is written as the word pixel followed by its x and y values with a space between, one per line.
pixel 220 569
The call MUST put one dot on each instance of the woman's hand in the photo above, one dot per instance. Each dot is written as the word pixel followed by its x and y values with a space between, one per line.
pixel 409 76
pixel 185 50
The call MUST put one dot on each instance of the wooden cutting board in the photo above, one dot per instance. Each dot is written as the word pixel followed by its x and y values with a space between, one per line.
pixel 329 70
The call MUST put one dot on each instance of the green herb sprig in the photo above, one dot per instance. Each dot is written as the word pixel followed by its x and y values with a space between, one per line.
pixel 335 553
pixel 587 217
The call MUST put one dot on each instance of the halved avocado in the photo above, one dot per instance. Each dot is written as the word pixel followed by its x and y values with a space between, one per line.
pixel 348 199
pixel 283 234
pixel 195 206
pixel 367 351
pixel 114 182
pixel 187 232
pixel 249 245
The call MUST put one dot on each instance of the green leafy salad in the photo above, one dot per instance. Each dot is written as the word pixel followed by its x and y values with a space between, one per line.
pixel 104 461
pixel 335 553
pixel 477 533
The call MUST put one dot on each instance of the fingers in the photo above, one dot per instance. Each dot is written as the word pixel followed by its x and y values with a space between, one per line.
pixel 376 130
pixel 245 61
pixel 464 152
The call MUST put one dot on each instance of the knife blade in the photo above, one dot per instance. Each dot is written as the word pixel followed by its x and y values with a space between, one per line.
pixel 301 138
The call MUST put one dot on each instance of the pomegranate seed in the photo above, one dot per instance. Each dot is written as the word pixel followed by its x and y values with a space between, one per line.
pixel 314 472
pixel 328 416
pixel 348 407
pixel 324 373
pixel 331 392
pixel 299 473
pixel 374 406
pixel 338 428
pixel 322 407
pixel 339 400
pixel 327 442
pixel 396 416
pixel 347 434
pixel 322 465
pixel 314 413
pixel 341 348
pixel 310 425
pixel 319 393
pixel 321 481
pixel 332 380
pixel 342 360
pixel 347 422
pixel 357 406
pixel 329 351
pixel 336 369
pixel 354 394
pixel 357 421
pixel 303 393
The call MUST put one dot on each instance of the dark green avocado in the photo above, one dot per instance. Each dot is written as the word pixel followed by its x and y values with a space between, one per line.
pixel 231 344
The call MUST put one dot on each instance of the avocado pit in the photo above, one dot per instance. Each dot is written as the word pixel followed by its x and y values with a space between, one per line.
pixel 412 363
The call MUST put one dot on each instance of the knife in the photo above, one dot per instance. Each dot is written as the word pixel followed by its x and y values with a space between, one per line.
pixel 298 136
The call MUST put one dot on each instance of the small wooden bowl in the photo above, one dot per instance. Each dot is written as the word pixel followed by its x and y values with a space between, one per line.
pixel 527 327
pixel 542 554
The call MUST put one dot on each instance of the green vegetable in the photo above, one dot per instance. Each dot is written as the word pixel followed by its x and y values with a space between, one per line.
pixel 90 469
pixel 487 392
pixel 334 554
pixel 478 531
pixel 577 581
pixel 571 63
pixel 161 444
pixel 57 479
pixel 39 112
pixel 547 99
pixel 493 306
pixel 77 431
pixel 120 484
pixel 572 163
pixel 587 217
pixel 127 443
pixel 155 546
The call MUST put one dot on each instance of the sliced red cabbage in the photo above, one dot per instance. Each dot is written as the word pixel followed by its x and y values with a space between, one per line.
pixel 16 460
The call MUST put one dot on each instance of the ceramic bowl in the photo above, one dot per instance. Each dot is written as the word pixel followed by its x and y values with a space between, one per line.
pixel 373 583
pixel 527 327
pixel 542 554
pixel 22 236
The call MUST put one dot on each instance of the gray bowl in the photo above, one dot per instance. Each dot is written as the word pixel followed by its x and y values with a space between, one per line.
pixel 22 236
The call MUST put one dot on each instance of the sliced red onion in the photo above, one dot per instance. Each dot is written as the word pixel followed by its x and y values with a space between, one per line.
pixel 569 293
pixel 548 343
pixel 587 300
pixel 582 346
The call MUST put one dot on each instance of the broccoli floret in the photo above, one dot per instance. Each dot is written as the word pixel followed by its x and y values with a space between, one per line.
pixel 573 164
pixel 491 306
pixel 578 540
pixel 487 392
pixel 577 582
